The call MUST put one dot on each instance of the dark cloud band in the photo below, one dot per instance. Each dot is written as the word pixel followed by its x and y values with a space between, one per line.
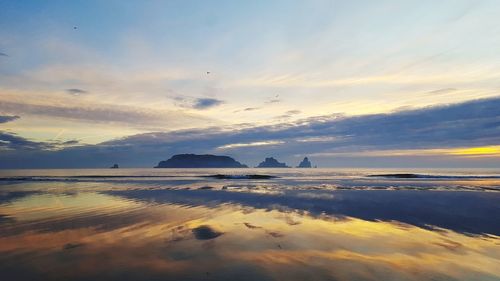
pixel 473 123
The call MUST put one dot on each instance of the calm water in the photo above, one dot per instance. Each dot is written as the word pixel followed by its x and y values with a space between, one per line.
pixel 309 224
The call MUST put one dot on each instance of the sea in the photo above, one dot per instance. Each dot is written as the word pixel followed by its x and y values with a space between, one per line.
pixel 250 224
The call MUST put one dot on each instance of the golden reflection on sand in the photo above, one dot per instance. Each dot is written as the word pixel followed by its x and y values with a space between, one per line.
pixel 84 235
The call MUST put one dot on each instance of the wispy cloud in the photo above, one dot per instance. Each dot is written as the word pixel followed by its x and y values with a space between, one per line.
pixel 197 103
pixel 316 80
pixel 288 114
pixel 76 92
pixel 14 143
pixel 204 103
pixel 251 144
pixel 247 109
pixel 105 113
pixel 442 91
pixel 70 142
pixel 10 141
pixel 273 101
pixel 319 139
pixel 251 108
pixel 8 118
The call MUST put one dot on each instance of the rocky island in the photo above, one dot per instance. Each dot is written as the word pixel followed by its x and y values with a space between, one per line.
pixel 200 161
pixel 305 163
pixel 270 162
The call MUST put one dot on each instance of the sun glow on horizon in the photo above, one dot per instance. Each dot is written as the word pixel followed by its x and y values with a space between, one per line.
pixel 482 151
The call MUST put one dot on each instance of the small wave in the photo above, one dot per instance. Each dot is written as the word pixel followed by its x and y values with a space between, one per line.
pixel 119 177
pixel 422 176
pixel 74 178
pixel 35 179
pixel 250 177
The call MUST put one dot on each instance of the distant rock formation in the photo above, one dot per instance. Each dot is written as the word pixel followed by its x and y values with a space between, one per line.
pixel 200 161
pixel 305 163
pixel 270 162
pixel 115 166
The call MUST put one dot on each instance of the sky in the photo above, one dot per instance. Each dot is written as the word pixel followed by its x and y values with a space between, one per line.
pixel 347 83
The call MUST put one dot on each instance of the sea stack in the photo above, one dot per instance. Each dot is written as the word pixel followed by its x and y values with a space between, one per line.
pixel 270 162
pixel 200 161
pixel 305 163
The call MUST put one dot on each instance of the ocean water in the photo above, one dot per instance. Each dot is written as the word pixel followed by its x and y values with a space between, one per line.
pixel 250 224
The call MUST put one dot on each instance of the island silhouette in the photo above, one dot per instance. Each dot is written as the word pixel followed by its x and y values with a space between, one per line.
pixel 270 162
pixel 219 161
pixel 200 161
pixel 305 163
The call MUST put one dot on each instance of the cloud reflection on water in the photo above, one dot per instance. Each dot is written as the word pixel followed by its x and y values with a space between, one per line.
pixel 443 209
pixel 145 234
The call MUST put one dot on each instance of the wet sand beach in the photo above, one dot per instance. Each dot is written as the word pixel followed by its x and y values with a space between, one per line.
pixel 170 228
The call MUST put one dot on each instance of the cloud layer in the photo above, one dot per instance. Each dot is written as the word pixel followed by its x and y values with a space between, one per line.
pixel 470 124
pixel 104 113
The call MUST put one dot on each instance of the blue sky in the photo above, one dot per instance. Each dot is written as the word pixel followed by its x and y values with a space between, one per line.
pixel 81 75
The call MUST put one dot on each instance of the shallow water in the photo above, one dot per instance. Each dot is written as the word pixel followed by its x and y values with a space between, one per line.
pixel 363 179
pixel 313 224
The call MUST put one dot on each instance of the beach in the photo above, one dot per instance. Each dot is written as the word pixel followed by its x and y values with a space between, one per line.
pixel 230 224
